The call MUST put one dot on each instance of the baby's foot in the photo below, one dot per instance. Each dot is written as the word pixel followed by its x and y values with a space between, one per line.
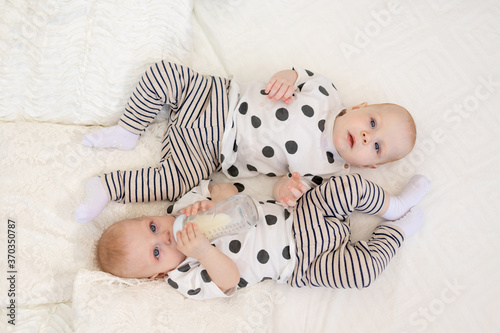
pixel 111 137
pixel 414 191
pixel 94 203
pixel 410 223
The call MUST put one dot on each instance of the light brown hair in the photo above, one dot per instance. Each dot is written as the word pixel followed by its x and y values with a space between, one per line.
pixel 111 250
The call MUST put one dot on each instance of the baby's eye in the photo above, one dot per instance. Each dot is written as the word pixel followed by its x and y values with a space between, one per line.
pixel 376 146
pixel 372 123
pixel 156 252
pixel 152 226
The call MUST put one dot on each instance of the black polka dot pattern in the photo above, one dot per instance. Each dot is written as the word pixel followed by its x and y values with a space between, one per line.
pixel 251 167
pixel 273 132
pixel 286 252
pixel 193 292
pixel 256 122
pixel 321 125
pixel 291 147
pixel 271 219
pixel 323 91
pixel 317 180
pixel 268 151
pixel 235 246
pixel 329 156
pixel 282 114
pixel 172 283
pixel 307 110
pixel 243 283
pixel 275 137
pixel 233 171
pixel 263 256
pixel 205 277
pixel 287 214
pixel 239 186
pixel 243 109
pixel 170 209
pixel 184 268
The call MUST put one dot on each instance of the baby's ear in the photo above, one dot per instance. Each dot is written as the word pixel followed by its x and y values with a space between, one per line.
pixel 359 106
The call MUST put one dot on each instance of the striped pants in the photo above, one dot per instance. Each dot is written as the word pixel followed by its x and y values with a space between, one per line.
pixel 325 255
pixel 191 146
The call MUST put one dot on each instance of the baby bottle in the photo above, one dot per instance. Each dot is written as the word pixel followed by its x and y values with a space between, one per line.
pixel 231 216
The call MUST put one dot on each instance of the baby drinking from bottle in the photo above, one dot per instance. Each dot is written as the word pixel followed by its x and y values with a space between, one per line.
pixel 309 246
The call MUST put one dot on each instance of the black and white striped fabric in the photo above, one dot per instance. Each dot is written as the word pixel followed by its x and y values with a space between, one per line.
pixel 325 255
pixel 191 145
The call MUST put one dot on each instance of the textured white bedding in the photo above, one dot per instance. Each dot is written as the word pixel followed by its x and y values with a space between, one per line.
pixel 67 65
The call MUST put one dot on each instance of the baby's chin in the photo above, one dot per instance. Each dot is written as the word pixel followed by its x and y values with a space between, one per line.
pixel 353 163
pixel 346 158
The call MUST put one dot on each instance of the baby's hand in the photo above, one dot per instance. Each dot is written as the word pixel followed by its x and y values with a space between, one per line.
pixel 288 190
pixel 197 206
pixel 192 242
pixel 281 86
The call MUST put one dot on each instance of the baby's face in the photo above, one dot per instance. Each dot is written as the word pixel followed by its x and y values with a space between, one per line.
pixel 366 137
pixel 152 250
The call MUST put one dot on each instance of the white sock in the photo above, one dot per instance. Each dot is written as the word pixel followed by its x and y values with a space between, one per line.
pixel 412 193
pixel 94 203
pixel 410 223
pixel 111 137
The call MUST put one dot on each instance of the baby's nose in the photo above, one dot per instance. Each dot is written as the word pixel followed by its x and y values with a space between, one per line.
pixel 365 137
pixel 165 237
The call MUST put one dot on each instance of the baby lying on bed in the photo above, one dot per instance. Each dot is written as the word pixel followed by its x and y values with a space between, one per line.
pixel 295 123
pixel 308 247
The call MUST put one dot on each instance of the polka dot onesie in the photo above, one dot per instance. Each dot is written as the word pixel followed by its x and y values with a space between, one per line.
pixel 309 247
pixel 274 138
pixel 219 124
pixel 261 253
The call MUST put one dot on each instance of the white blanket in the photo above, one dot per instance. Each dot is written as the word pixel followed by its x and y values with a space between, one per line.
pixel 67 67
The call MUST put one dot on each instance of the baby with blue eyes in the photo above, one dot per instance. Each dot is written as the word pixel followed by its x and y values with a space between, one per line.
pixel 370 135
pixel 145 247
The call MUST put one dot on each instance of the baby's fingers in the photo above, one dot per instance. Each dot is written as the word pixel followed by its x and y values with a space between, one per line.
pixel 302 188
pixel 295 176
pixel 196 207
pixel 283 92
pixel 187 234
pixel 195 229
pixel 270 85
pixel 206 204
pixel 190 230
pixel 286 202
pixel 296 193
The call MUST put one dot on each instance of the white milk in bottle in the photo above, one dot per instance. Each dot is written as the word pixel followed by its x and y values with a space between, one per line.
pixel 231 216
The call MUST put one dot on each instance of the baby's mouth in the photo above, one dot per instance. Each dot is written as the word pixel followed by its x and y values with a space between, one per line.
pixel 350 140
